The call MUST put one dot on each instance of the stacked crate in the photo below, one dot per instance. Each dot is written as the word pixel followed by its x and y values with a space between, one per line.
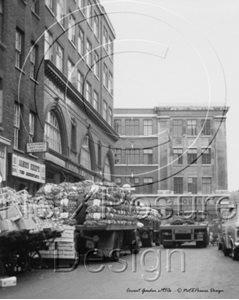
pixel 63 247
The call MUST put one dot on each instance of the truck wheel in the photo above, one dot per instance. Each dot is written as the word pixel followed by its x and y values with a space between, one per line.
pixel 235 254
pixel 199 244
pixel 219 246
pixel 136 249
pixel 149 241
pixel 157 242
pixel 225 250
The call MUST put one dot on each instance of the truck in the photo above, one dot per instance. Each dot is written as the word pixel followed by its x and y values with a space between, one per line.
pixel 228 227
pixel 111 228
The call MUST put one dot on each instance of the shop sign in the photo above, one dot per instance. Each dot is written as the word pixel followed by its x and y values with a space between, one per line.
pixel 28 169
pixel 37 147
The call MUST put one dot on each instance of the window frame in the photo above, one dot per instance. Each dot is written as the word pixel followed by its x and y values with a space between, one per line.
pixel 81 42
pixel 177 127
pixel 177 155
pixel 96 100
pixel 206 186
pixel 206 129
pixel 206 156
pixel 48 45
pixel 118 126
pixel 191 156
pixel 32 120
pixel 19 48
pixel 132 127
pixel 88 53
pixel 192 186
pixel 61 59
pixel 148 156
pixel 17 126
pixel 72 28
pixel 178 185
pixel 88 92
pixel 148 127
pixel 192 127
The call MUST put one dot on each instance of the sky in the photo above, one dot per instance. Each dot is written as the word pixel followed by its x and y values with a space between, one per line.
pixel 179 52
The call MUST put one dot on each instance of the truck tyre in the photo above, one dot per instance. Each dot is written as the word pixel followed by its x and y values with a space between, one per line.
pixel 157 242
pixel 150 240
pixel 219 246
pixel 225 250
pixel 235 253
pixel 136 248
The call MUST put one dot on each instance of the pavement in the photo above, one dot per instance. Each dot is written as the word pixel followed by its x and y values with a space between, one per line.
pixel 203 273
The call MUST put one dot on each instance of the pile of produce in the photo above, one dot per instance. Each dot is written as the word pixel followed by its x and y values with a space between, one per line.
pixel 55 203
pixel 109 205
pixel 147 213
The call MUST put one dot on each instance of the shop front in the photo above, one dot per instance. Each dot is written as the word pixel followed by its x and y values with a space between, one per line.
pixel 58 170
pixel 25 173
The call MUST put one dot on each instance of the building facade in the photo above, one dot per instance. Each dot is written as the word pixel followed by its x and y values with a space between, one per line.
pixel 56 89
pixel 175 150
pixel 78 93
pixel 21 24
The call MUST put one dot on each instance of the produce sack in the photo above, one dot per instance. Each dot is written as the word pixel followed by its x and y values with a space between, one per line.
pixel 28 224
pixel 9 212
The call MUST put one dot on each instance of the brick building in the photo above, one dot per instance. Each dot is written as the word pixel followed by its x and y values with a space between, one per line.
pixel 56 86
pixel 172 149
pixel 78 95
pixel 21 24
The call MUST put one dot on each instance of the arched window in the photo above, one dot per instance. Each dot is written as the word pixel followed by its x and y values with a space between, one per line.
pixel 107 170
pixel 85 159
pixel 52 132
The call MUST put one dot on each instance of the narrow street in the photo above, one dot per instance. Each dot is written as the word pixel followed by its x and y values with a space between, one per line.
pixel 208 272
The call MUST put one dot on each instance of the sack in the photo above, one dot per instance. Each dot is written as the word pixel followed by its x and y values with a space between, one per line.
pixel 28 224
pixel 8 225
pixel 9 212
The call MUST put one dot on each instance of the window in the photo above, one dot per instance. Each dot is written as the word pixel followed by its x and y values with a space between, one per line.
pixel 81 42
pixel 105 39
pixel 80 80
pixel 177 128
pixel 132 127
pixel 72 29
pixel 50 4
pixel 82 6
pixel 88 92
pixel 52 132
pixel 178 185
pixel 206 156
pixel 148 156
pixel 17 114
pixel 35 7
pixel 72 73
pixel 48 45
pixel 19 48
pixel 1 19
pixel 96 26
pixel 177 155
pixel 105 76
pixel 148 186
pixel 96 64
pixel 73 134
pixel 148 127
pixel 111 48
pixel 60 12
pixel 88 53
pixel 107 170
pixel 110 117
pixel 117 126
pixel 118 156
pixel 104 110
pixel 192 155
pixel 85 159
pixel 89 13
pixel 111 83
pixel 206 185
pixel 132 156
pixel 31 127
pixel 206 124
pixel 99 153
pixel 191 127
pixel 59 57
pixel 192 185
pixel 33 56
pixel 96 101
pixel 136 183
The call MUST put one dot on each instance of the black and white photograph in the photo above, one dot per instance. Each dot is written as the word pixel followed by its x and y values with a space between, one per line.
pixel 119 149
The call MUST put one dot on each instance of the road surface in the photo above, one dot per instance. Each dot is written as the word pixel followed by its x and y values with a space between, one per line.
pixel 207 274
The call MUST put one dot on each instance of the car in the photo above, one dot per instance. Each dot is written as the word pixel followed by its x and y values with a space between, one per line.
pixel 228 229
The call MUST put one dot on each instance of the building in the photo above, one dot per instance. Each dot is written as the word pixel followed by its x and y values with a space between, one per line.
pixel 78 93
pixel 21 24
pixel 172 149
pixel 56 90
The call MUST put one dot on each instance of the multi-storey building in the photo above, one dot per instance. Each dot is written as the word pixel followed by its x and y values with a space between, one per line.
pixel 56 85
pixel 78 96
pixel 21 25
pixel 178 149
